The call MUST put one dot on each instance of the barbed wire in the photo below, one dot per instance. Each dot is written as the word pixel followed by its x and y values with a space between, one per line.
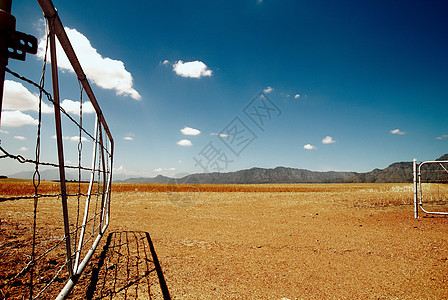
pixel 23 160
pixel 50 99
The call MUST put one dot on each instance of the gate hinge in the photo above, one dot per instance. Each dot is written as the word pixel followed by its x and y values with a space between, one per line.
pixel 14 44
pixel 21 43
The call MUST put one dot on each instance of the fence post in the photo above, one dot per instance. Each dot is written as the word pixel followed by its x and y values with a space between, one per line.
pixel 7 25
pixel 415 189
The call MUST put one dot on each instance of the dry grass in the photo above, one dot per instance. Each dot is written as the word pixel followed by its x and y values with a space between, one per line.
pixel 24 187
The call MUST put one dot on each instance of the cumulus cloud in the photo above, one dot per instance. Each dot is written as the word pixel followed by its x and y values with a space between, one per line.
pixel 328 140
pixel 119 170
pixel 122 170
pixel 20 138
pixel 105 72
pixel 163 170
pixel 268 90
pixel 192 69
pixel 397 131
pixel 309 147
pixel 16 119
pixel 297 96
pixel 73 107
pixel 223 135
pixel 185 143
pixel 18 97
pixel 72 138
pixel 190 131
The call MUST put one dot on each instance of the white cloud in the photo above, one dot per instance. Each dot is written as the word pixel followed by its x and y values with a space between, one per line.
pixel 163 170
pixel 16 119
pixel 128 138
pixel 309 147
pixel 4 131
pixel 397 131
pixel 19 137
pixel 268 90
pixel 105 72
pixel 185 143
pixel 18 97
pixel 119 170
pixel 223 135
pixel 73 107
pixel 328 140
pixel 166 62
pixel 72 138
pixel 23 149
pixel 442 137
pixel 190 131
pixel 69 162
pixel 192 69
pixel 297 96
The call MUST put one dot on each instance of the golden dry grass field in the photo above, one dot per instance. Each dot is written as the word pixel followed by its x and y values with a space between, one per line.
pixel 294 241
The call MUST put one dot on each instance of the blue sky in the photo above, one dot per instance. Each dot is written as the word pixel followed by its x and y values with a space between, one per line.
pixel 349 85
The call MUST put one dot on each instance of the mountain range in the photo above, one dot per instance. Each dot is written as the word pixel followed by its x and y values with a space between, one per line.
pixel 396 172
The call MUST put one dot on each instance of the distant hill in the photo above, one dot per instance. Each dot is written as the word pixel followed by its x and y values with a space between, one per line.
pixel 396 172
pixel 157 179
pixel 277 175
pixel 52 174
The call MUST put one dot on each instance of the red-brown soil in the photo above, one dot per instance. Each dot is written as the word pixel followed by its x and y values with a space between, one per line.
pixel 356 241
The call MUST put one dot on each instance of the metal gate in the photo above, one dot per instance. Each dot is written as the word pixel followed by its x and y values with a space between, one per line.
pixel 430 186
pixel 60 217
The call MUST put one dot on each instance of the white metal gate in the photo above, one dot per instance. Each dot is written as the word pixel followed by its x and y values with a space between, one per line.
pixel 430 186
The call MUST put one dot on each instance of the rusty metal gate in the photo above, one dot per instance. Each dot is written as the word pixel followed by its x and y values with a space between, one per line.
pixel 59 217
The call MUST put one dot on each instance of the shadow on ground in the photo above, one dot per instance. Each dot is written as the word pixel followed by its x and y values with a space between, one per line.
pixel 127 268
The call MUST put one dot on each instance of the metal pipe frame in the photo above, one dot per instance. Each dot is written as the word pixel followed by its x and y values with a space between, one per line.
pixel 59 139
pixel 87 205
pixel 418 191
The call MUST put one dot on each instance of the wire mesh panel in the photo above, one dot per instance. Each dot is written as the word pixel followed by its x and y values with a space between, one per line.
pixel 431 187
pixel 49 229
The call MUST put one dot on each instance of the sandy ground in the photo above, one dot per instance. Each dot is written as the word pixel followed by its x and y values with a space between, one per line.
pixel 334 242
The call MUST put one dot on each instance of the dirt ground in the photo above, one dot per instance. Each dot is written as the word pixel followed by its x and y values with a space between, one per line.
pixel 356 241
